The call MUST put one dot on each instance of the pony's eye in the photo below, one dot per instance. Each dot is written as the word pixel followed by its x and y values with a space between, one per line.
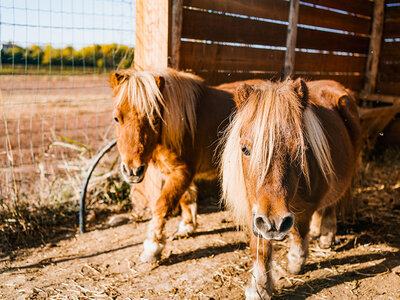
pixel 116 120
pixel 155 121
pixel 245 150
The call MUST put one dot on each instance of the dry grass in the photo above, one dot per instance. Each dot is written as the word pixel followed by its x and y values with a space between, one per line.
pixel 49 208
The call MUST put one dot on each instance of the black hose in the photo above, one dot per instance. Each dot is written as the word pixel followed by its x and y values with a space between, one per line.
pixel 82 208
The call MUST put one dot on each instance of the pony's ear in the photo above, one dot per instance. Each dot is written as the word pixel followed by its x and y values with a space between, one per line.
pixel 116 78
pixel 242 93
pixel 300 88
pixel 160 81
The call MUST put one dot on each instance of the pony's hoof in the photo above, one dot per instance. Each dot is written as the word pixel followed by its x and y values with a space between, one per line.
pixel 295 263
pixel 314 233
pixel 149 258
pixel 152 251
pixel 184 230
pixel 254 293
pixel 294 267
pixel 325 241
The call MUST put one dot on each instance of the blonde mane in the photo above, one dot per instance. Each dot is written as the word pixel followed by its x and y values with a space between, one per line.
pixel 175 104
pixel 276 124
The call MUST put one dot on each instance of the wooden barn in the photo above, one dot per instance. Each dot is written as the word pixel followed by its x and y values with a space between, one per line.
pixel 354 42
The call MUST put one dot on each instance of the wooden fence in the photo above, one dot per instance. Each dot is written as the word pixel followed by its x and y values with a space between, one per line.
pixel 229 40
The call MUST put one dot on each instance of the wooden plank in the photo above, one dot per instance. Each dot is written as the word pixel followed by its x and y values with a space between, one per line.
pixel 279 10
pixel 151 48
pixel 379 98
pixel 215 57
pixel 391 28
pixel 208 26
pixel 390 88
pixel 349 81
pixel 374 47
pixel 330 19
pixel 390 47
pixel 175 32
pixel 361 7
pixel 314 62
pixel 268 9
pixel 291 39
pixel 216 78
pixel 390 70
pixel 392 12
pixel 221 57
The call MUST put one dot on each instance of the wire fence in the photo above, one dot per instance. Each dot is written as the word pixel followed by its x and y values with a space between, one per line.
pixel 55 97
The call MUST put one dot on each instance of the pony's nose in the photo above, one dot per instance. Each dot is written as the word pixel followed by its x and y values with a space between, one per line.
pixel 129 172
pixel 138 171
pixel 263 224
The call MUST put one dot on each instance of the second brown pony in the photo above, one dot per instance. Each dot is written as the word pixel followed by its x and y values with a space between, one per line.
pixel 170 121
pixel 290 151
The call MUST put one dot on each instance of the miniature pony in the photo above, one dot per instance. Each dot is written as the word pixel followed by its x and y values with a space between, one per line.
pixel 290 151
pixel 171 121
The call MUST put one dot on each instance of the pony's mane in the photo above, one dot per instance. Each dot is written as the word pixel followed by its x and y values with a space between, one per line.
pixel 175 104
pixel 277 125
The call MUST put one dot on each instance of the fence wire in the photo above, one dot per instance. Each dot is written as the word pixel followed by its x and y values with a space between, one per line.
pixel 55 97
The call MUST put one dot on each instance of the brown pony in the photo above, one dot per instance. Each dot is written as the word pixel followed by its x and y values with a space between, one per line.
pixel 290 151
pixel 169 121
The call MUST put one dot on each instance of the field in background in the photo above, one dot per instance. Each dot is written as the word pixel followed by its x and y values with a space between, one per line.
pixel 50 128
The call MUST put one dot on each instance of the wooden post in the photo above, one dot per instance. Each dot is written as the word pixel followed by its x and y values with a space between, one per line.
pixel 151 47
pixel 374 47
pixel 176 32
pixel 291 38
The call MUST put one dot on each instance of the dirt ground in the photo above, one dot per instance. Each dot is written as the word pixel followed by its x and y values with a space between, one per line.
pixel 214 263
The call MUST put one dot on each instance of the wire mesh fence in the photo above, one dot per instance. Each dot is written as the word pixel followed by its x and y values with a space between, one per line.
pixel 55 99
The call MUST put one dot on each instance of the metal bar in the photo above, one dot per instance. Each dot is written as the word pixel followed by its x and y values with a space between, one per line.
pixel 82 208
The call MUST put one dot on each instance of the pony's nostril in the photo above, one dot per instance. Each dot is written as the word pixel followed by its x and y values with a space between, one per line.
pixel 262 223
pixel 125 169
pixel 286 223
pixel 139 171
pixel 259 222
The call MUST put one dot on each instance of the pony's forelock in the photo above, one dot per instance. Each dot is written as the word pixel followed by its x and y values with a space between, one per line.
pixel 231 171
pixel 175 104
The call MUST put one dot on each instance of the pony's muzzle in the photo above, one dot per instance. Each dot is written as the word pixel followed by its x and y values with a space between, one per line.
pixel 270 229
pixel 132 175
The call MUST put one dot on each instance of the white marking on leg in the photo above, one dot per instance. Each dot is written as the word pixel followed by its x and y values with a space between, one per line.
pixel 152 251
pixel 153 245
pixel 297 255
pixel 193 210
pixel 187 227
pixel 261 283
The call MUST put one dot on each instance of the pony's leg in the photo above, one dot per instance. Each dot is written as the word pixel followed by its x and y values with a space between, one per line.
pixel 262 284
pixel 298 244
pixel 328 227
pixel 188 204
pixel 315 226
pixel 176 184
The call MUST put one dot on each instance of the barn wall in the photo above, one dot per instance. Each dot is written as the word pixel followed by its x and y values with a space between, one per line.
pixel 229 40
pixel 388 81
